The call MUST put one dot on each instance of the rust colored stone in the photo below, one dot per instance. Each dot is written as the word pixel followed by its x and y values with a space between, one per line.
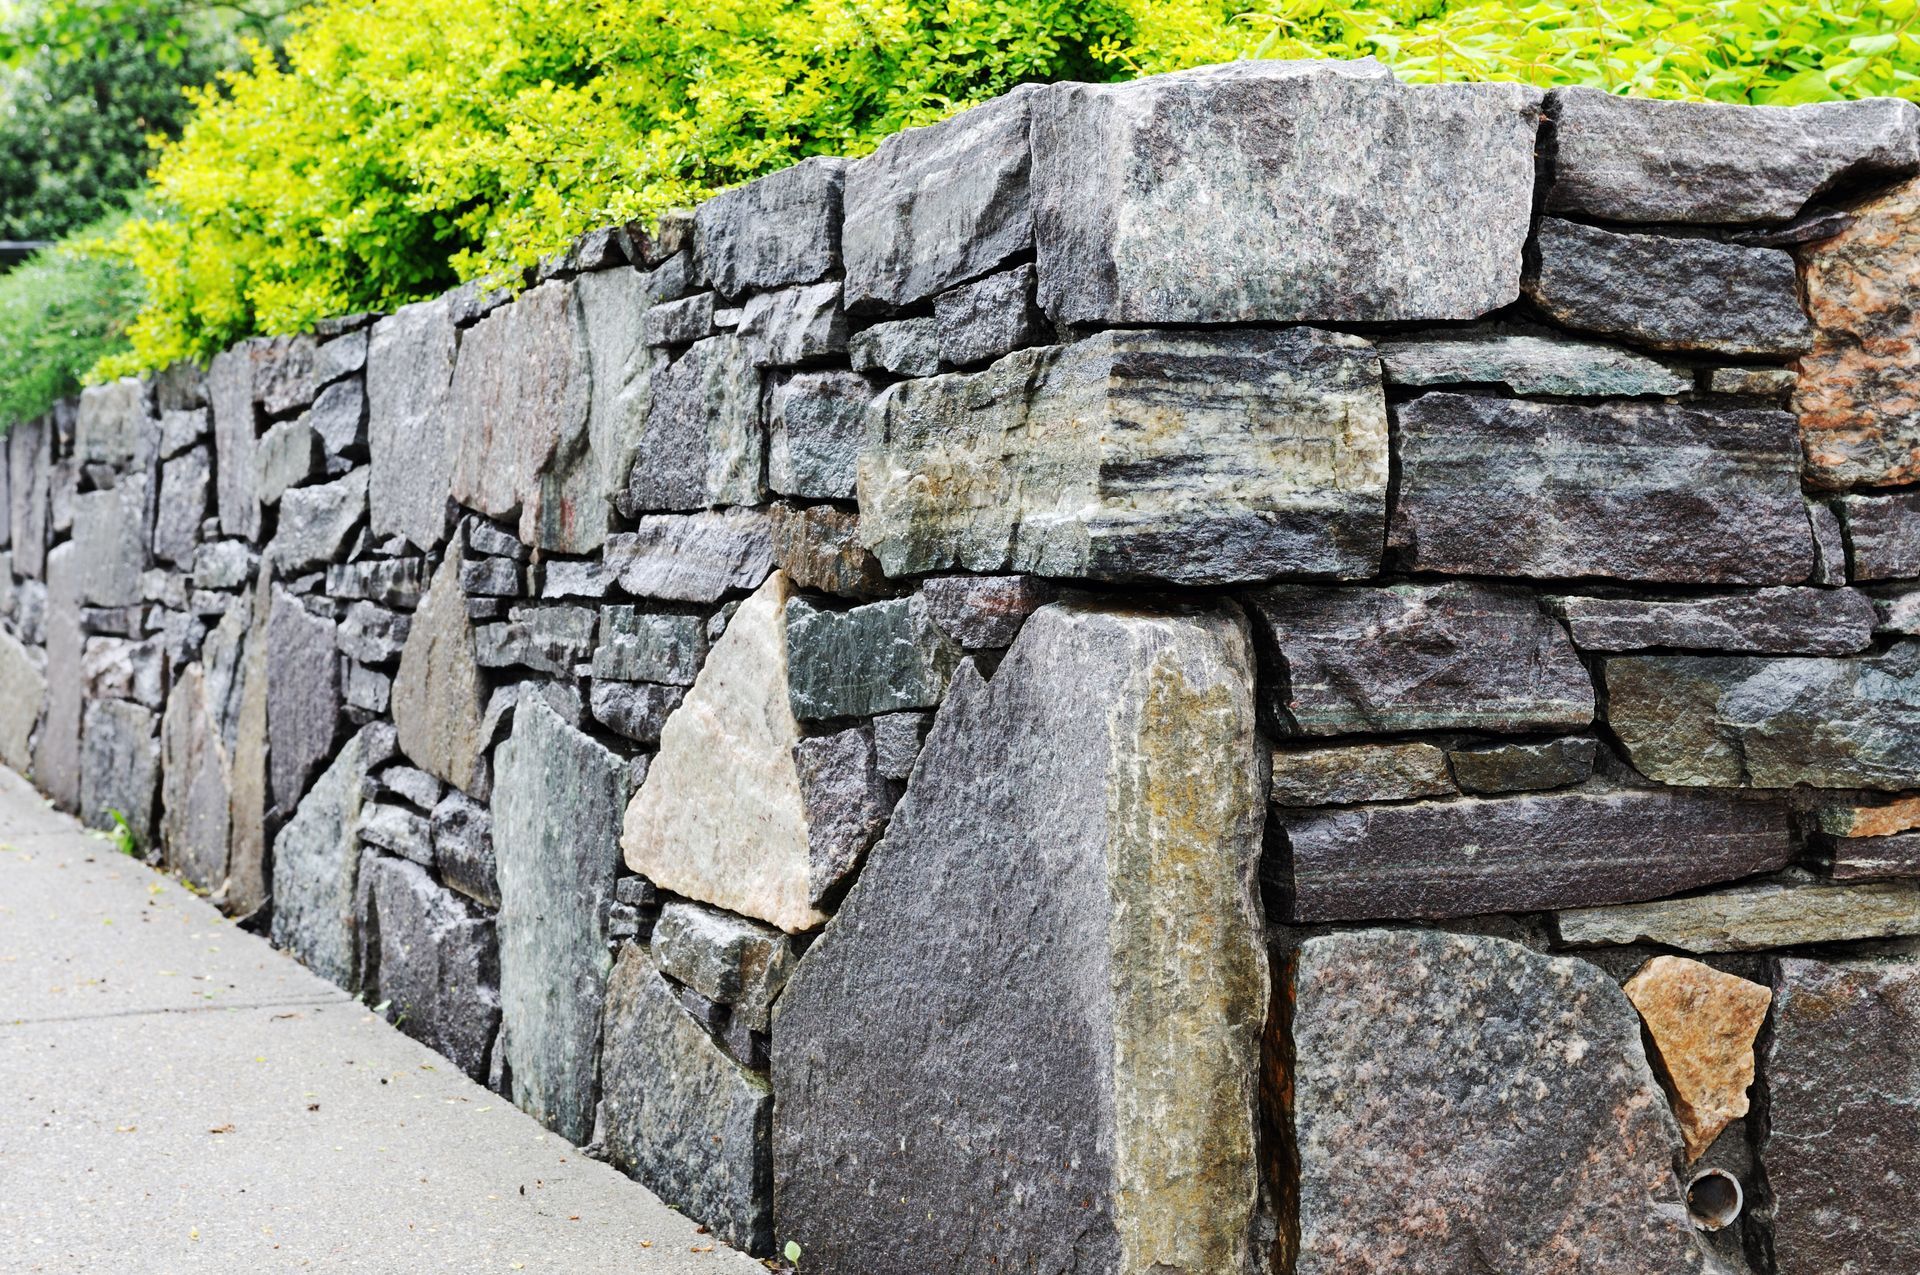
pixel 1900 815
pixel 1703 1024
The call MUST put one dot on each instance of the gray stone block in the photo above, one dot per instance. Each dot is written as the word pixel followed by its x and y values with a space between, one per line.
pixel 339 418
pixel 236 429
pixel 981 321
pixel 390 582
pixel 1796 912
pixel 184 484
pixel 120 767
pixel 195 787
pixel 896 742
pixel 781 229
pixel 430 957
pixel 847 802
pixel 289 455
pixel 1556 763
pixel 1778 621
pixel 399 830
pixel 317 524
pixel 681 322
pixel 1527 362
pixel 303 697
pixel 906 347
pixel 637 710
pixel 29 460
pixel 463 847
pixel 698 558
pixel 110 538
pixel 316 872
pixel 877 658
pixel 816 425
pixel 23 691
pixel 410 360
pixel 984 612
pixel 439 693
pixel 727 959
pixel 373 634
pixel 635 646
pixel 818 546
pixel 1883 533
pixel 702 444
pixel 1348 774
pixel 794 326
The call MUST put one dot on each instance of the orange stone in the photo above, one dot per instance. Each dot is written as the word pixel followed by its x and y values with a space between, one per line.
pixel 1886 820
pixel 1703 1024
pixel 1859 392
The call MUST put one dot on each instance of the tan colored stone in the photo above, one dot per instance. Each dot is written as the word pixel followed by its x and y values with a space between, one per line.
pixel 721 817
pixel 1703 1024
pixel 1902 815
pixel 438 695
pixel 1859 395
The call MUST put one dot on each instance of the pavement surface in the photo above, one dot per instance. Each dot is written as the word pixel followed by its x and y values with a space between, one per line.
pixel 175 1095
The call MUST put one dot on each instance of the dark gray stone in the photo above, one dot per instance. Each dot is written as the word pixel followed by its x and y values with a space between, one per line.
pixel 680 1115
pixel 1354 773
pixel 317 523
pixel 727 959
pixel 547 639
pixel 439 693
pixel 906 347
pixel 557 804
pixel 429 956
pixel 110 538
pixel 284 372
pixel 778 230
pixel 984 612
pixel 1556 763
pixel 702 442
pixel 23 692
pixel 681 322
pixel 316 872
pixel 303 697
pixel 1424 220
pixel 1628 491
pixel 491 577
pixel 636 646
pixel 1634 159
pixel 1777 621
pixel 1517 854
pixel 410 360
pixel 877 658
pixel 1829 545
pixel 1747 721
pixel 818 546
pixel 236 427
pixel 120 767
pixel 816 427
pixel 463 847
pixel 795 326
pixel 981 321
pixel 372 634
pixel 928 1062
pixel 896 742
pixel 184 483
pixel 1405 1041
pixel 391 582
pixel 1883 533
pixel 637 710
pixel 1842 1085
pixel 698 558
pixel 1417 657
pixel 1740 301
pixel 847 803
pixel 366 689
pixel 936 206
pixel 1527 362
pixel 29 460
pixel 341 356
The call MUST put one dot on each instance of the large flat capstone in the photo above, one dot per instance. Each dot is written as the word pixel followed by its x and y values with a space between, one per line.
pixel 1199 458
pixel 1350 197
pixel 1045 1060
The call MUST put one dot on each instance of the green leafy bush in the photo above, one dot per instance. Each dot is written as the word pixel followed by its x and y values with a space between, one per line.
pixel 62 312
pixel 397 146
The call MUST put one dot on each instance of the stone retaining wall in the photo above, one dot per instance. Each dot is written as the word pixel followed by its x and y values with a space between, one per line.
pixel 1260 670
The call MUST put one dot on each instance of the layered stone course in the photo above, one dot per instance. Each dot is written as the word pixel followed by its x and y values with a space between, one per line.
pixel 1257 672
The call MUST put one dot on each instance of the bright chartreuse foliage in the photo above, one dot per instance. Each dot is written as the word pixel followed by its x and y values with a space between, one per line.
pixel 397 146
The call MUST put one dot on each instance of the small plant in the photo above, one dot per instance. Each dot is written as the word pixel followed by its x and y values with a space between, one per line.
pixel 792 1252
pixel 122 835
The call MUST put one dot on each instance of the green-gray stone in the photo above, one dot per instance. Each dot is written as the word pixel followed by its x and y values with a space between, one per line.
pixel 1527 363
pixel 1556 763
pixel 877 658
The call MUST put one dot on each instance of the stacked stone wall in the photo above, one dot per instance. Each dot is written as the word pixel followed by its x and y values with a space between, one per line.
pixel 1263 670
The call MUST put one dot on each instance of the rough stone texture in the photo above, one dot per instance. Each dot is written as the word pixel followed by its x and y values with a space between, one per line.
pixel 115 668
pixel 948 1100
pixel 1868 858
pixel 897 738
pixel 1417 657
pixel 979 322
pixel 439 693
pixel 816 425
pixel 429 956
pixel 680 322
pixel 1739 301
pixel 877 658
pixel 1359 772
pixel 637 710
pixel 1883 533
pixel 698 558
pixel 1462 1104
pixel 1090 460
pixel 182 506
pixel 727 959
pixel 1556 763
pixel 1770 723
pixel 818 546
pixel 463 847
pixel 847 803
pixel 781 229
pixel 316 871
pixel 1703 1024
pixel 547 639
pixel 290 454
pixel 1857 414
pixel 110 539
pixel 399 830
pixel 1351 197
pixel 1757 382
pixel 702 442
pixel 795 326
pixel 230 392
pixel 108 424
pixel 613 304
pixel 721 817
pixel 984 612
pixel 303 697
pixel 1527 363
pixel 936 206
pixel 1898 613
pixel 1776 621
pixel 195 788
pixel 29 458
pixel 237 680
pixel 1628 491
pixel 1517 854
pixel 1633 159
pixel 23 689
pixel 410 361
pixel 394 582
pixel 556 823
pixel 635 646
pixel 1754 918
pixel 1841 1083
pixel 681 1116
pixel 317 522
pixel 119 767
pixel 373 635
pixel 285 377
pixel 339 418
pixel 907 347
pixel 56 749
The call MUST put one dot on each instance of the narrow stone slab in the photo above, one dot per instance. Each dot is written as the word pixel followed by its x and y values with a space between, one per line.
pixel 1739 301
pixel 439 693
pixel 917 1046
pixel 556 824
pixel 678 1114
pixel 1517 854
pixel 23 689
pixel 577 499
pixel 29 458
pixel 303 697
pixel 182 507
pixel 1089 460
pixel 1626 491
pixel 1527 363
pixel 1425 221
pixel 429 956
pixel 1842 1084
pixel 1556 763
pixel 241 669
pixel 1635 159
pixel 702 444
pixel 236 426
pixel 781 229
pixel 1417 657
pixel 1753 918
pixel 316 871
pixel 120 768
pixel 1402 1040
pixel 1872 858
pixel 1776 621
pixel 847 801
pixel 1770 723
pixel 463 848
pixel 878 658
pixel 195 787
pixel 697 558
pixel 1883 533
pixel 110 538
pixel 1359 772
pixel 56 749
pixel 1703 1023
pixel 410 361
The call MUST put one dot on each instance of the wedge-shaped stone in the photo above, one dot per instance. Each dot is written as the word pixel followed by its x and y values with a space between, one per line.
pixel 781 229
pixel 678 1114
pixel 1351 197
pixel 439 695
pixel 1770 723
pixel 1527 363
pixel 1635 159
pixel 1854 398
pixel 1737 300
pixel 1776 621
pixel 795 326
pixel 1516 854
pixel 23 689
pixel 303 697
pixel 703 444
pixel 1627 491
pixel 1417 657
pixel 1703 1023
pixel 556 827
pixel 697 558
pixel 1200 458
pixel 119 768
pixel 939 205
pixel 195 786
pixel 1462 1104
pixel 316 871
pixel 948 1100
pixel 1754 918
pixel 429 956
pixel 410 361
pixel 1843 1082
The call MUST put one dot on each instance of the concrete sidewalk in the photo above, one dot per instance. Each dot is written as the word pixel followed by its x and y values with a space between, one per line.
pixel 177 1096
